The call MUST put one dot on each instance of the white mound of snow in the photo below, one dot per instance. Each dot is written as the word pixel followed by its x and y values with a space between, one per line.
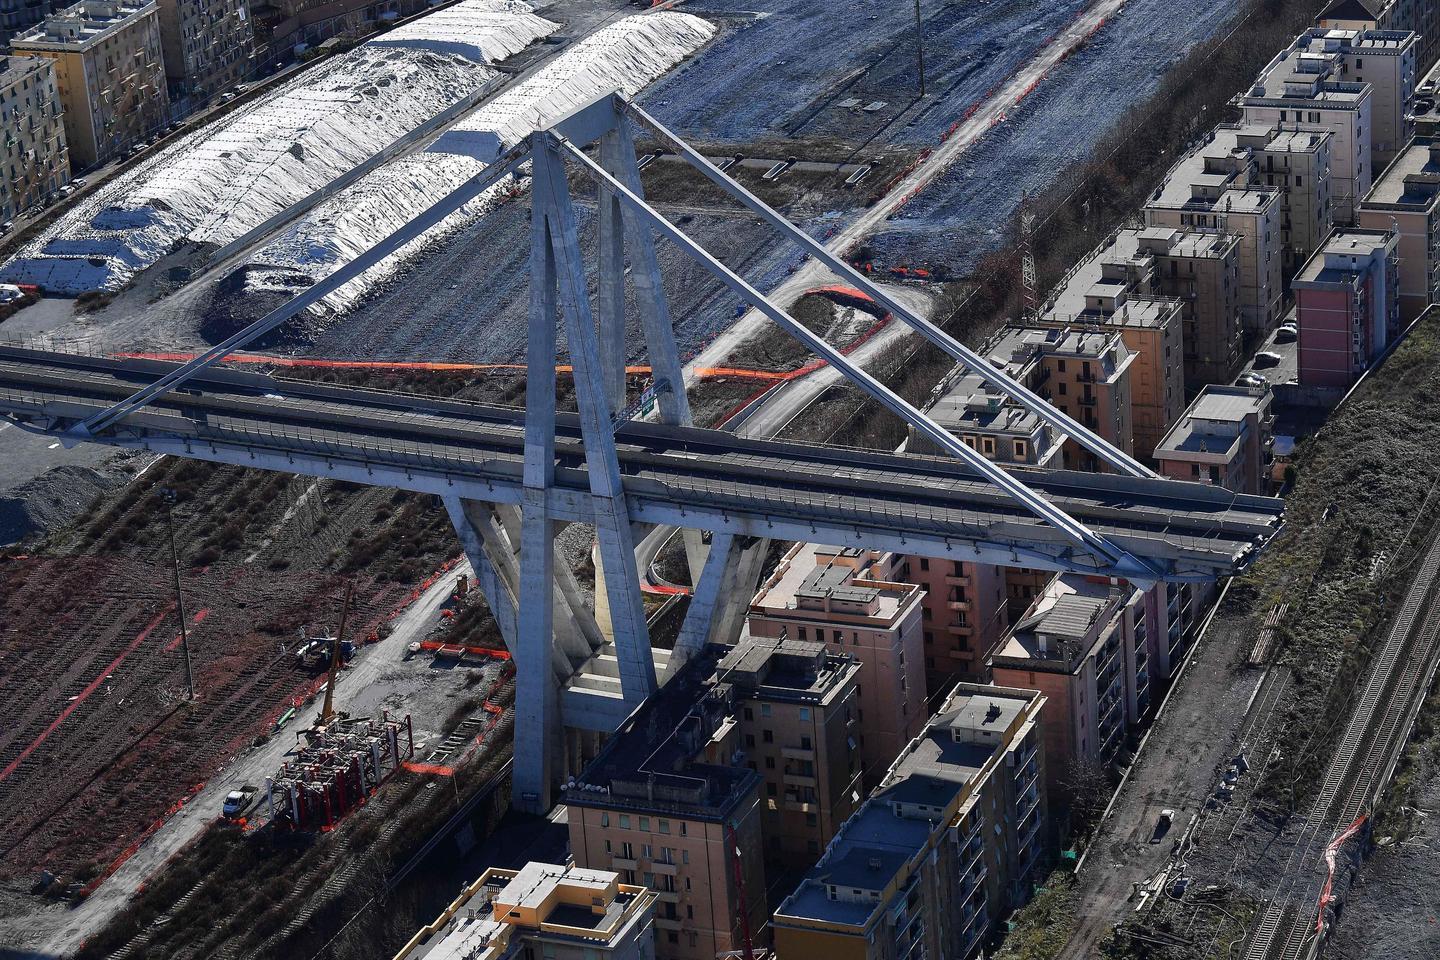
pixel 625 56
pixel 217 183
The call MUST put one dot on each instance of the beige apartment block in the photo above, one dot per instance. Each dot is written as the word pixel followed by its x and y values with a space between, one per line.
pixel 34 158
pixel 852 601
pixel 1201 269
pixel 1083 372
pixel 110 73
pixel 1296 162
pixel 1309 86
pixel 1224 439
pixel 541 910
pixel 1407 197
pixel 666 803
pixel 1416 16
pixel 1111 290
pixel 799 726
pixel 943 851
pixel 963 617
pixel 208 46
pixel 1212 189
pixel 1086 646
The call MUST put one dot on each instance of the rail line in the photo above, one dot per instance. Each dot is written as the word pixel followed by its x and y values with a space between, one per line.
pixel 1378 726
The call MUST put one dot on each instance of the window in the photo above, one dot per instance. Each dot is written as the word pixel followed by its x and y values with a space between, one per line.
pixel 924 563
pixel 685 858
pixel 604 819
pixel 804 713
pixel 1022 449
pixel 805 743
pixel 624 821
pixel 645 824
pixel 802 633
pixel 764 709
pixel 749 739
pixel 665 826
pixel 768 736
pixel 769 763
pixel 647 851
pixel 770 789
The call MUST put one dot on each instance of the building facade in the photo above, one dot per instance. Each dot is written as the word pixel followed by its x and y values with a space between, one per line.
pixel 1310 85
pixel 667 803
pixel 1111 289
pixel 541 910
pixel 1201 269
pixel 852 601
pixel 110 73
pixel 942 851
pixel 1347 302
pixel 1213 189
pixel 34 158
pixel 208 47
pixel 1224 438
pixel 1406 198
pixel 799 727
pixel 963 617
pixel 1086 646
pixel 1084 372
pixel 1415 16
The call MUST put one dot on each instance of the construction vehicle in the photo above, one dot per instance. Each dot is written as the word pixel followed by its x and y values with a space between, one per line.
pixel 462 587
pixel 238 802
pixel 336 649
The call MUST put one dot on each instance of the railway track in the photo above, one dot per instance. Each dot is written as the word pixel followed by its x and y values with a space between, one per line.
pixel 1372 740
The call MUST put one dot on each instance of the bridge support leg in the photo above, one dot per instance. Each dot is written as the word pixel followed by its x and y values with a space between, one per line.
pixel 612 516
pixel 721 596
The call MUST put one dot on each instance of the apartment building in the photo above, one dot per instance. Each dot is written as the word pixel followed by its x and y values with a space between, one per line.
pixel 964 616
pixel 34 157
pixel 110 73
pixel 1213 189
pixel 541 910
pixel 1086 646
pixel 1224 438
pixel 1348 306
pixel 208 47
pixel 1109 289
pixel 1082 371
pixel 942 851
pixel 1421 17
pixel 1297 162
pixel 1406 198
pixel 799 726
pixel 852 601
pixel 666 803
pixel 1310 86
pixel 1201 269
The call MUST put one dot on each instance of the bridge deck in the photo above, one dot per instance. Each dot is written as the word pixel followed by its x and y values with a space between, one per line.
pixel 1191 530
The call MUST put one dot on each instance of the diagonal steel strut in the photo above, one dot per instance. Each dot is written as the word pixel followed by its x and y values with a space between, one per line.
pixel 1077 533
pixel 1023 395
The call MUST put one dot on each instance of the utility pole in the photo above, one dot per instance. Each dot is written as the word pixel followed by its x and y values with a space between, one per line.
pixel 920 49
pixel 168 495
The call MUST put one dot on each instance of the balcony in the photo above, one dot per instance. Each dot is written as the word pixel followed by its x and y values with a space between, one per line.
pixel 952 580
pixel 797 753
pixel 668 896
pixel 961 605
pixel 666 924
pixel 623 863
pixel 665 869
pixel 799 780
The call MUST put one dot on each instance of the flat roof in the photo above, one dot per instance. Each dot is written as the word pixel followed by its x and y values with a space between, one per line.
pixel 1411 180
pixel 1214 423
pixel 1322 267
pixel 806 576
pixel 82 24
pixel 1067 610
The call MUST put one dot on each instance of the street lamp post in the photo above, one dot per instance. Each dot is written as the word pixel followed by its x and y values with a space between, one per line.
pixel 168 495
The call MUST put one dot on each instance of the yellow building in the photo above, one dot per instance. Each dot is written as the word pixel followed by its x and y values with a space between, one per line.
pixel 110 72
pixel 34 159
pixel 542 909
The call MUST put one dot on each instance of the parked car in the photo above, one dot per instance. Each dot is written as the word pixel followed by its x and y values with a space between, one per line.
pixel 1163 825
pixel 1252 379
pixel 238 802
pixel 1266 358
pixel 79 182
pixel 1287 333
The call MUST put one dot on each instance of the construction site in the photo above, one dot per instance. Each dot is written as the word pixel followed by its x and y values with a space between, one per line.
pixel 414 475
